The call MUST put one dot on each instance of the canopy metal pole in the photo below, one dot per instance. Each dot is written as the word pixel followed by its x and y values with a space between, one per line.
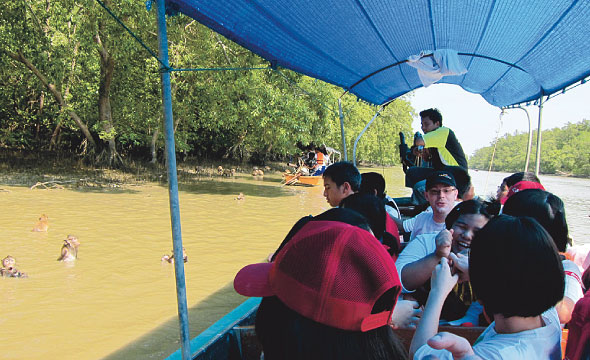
pixel 361 134
pixel 538 164
pixel 173 182
pixel 530 143
pixel 342 129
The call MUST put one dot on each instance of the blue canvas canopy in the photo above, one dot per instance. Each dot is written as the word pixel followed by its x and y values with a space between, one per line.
pixel 514 51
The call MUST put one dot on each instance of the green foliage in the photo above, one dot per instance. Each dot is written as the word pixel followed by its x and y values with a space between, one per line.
pixel 248 115
pixel 564 150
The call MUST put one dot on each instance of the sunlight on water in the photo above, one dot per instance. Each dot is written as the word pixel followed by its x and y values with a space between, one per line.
pixel 118 301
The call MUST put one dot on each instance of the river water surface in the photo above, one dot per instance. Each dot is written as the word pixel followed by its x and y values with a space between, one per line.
pixel 118 301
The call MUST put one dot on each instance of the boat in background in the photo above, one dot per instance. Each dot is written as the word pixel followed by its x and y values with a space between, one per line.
pixel 299 179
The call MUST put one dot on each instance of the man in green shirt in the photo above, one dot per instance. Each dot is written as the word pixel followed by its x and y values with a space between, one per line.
pixel 438 145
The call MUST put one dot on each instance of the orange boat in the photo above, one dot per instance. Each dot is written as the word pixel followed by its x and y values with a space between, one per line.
pixel 297 179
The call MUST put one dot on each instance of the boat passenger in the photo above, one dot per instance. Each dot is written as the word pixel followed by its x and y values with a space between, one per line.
pixel 508 182
pixel 373 209
pixel 374 183
pixel 465 191
pixel 578 340
pixel 549 211
pixel 526 325
pixel 441 192
pixel 321 158
pixel 443 146
pixel 329 295
pixel 8 268
pixel 340 180
pixel 419 258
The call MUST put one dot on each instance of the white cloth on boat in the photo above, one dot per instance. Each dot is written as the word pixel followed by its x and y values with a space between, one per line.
pixel 537 344
pixel 432 66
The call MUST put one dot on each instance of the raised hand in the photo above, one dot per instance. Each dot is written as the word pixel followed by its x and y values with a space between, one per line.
pixel 444 240
pixel 460 266
pixel 442 281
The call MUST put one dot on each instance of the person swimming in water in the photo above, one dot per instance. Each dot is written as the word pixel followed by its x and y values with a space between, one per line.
pixel 8 268
pixel 69 249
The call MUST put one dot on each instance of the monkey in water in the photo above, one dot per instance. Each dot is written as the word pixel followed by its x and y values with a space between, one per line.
pixel 170 258
pixel 69 249
pixel 8 269
pixel 42 224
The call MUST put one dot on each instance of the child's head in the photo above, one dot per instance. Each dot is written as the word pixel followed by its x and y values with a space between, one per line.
pixel 466 219
pixel 373 183
pixel 329 294
pixel 371 207
pixel 544 207
pixel 514 267
pixel 340 180
pixel 342 172
pixel 8 262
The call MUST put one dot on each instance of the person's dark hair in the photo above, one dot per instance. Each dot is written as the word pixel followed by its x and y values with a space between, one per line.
pixel 371 182
pixel 516 256
pixel 462 179
pixel 348 216
pixel 284 334
pixel 546 208
pixel 369 206
pixel 373 209
pixel 520 176
pixel 474 206
pixel 342 172
pixel 433 114
pixel 586 279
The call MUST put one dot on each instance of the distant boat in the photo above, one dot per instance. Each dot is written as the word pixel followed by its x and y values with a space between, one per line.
pixel 298 179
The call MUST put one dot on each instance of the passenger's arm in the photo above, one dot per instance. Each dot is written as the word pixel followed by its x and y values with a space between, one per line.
pixel 564 309
pixel 418 272
pixel 442 283
pixel 457 345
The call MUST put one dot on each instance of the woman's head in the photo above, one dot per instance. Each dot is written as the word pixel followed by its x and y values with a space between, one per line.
pixel 546 208
pixel 465 220
pixel 369 206
pixel 285 334
pixel 511 180
pixel 514 267
pixel 330 278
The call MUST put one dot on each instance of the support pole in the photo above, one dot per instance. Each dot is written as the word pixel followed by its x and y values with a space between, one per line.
pixel 361 134
pixel 342 129
pixel 530 143
pixel 538 164
pixel 173 182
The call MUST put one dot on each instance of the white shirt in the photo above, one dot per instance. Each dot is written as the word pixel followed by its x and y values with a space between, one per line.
pixel 416 249
pixel 573 282
pixel 422 223
pixel 542 343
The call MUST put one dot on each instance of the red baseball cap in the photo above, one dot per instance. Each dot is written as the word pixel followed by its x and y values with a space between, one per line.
pixel 330 272
pixel 520 186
